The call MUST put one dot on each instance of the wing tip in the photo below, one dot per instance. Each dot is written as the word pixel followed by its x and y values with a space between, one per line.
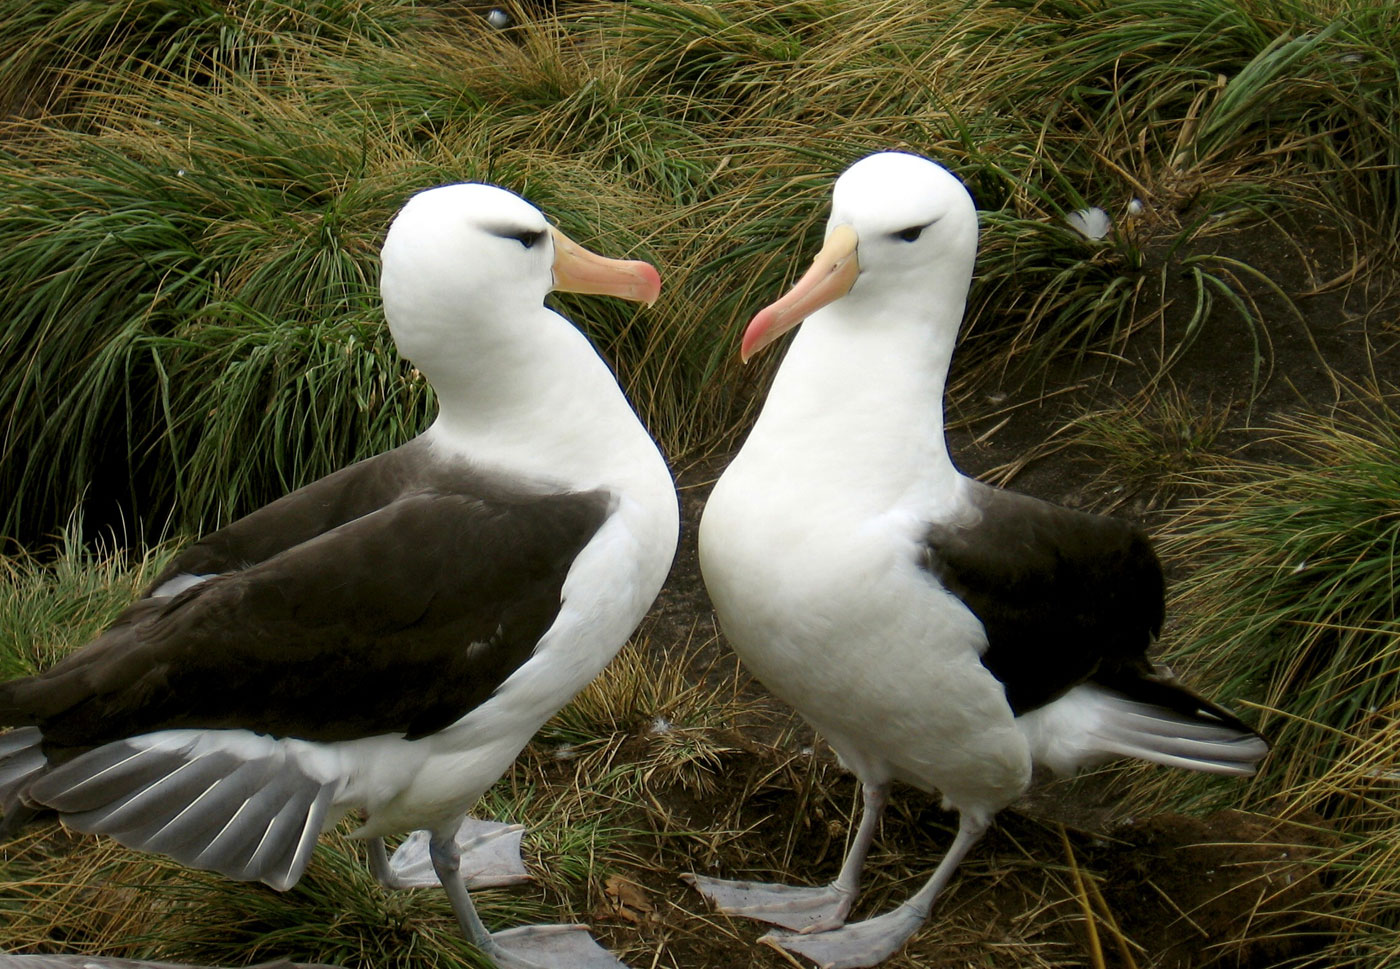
pixel 249 818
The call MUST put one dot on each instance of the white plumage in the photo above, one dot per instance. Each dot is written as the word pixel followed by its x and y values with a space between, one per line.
pixel 934 630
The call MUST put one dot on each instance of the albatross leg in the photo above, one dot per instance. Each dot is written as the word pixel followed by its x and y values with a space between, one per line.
pixel 527 947
pixel 379 864
pixel 489 850
pixel 873 941
pixel 796 907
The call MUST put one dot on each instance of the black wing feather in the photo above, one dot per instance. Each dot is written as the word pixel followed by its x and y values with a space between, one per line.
pixel 1064 595
pixel 400 620
pixel 312 510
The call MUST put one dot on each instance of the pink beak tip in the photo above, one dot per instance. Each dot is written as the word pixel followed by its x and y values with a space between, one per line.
pixel 756 334
pixel 651 282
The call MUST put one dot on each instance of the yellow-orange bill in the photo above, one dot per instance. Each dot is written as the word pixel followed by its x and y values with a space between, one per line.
pixel 579 270
pixel 833 272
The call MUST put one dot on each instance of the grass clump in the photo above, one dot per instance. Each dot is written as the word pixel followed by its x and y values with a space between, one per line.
pixel 215 186
pixel 1152 444
pixel 56 601
pixel 141 260
pixel 1292 598
pixel 1295 585
pixel 54 53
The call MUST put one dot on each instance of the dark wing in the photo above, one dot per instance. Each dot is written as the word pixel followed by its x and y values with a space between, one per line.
pixel 400 621
pixel 1063 595
pixel 303 514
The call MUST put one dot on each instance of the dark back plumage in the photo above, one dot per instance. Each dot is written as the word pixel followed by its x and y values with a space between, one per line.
pixel 341 582
pixel 1063 595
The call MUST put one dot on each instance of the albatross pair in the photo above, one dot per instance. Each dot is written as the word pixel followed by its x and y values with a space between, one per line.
pixel 388 638
pixel 936 631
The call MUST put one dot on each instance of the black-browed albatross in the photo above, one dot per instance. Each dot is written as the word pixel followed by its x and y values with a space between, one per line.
pixel 388 638
pixel 935 630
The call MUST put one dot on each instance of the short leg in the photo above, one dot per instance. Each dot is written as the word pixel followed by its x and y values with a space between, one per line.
pixel 795 907
pixel 490 854
pixel 379 864
pixel 527 947
pixel 873 941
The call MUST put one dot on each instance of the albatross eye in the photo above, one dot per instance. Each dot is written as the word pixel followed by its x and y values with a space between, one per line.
pixel 910 234
pixel 528 238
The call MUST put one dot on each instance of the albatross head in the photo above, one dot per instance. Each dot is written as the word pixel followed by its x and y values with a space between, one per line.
pixel 903 230
pixel 469 262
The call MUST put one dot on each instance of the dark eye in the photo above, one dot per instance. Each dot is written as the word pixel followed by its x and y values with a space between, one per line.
pixel 910 234
pixel 528 237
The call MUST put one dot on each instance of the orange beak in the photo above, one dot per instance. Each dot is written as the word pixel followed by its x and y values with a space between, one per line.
pixel 832 275
pixel 579 270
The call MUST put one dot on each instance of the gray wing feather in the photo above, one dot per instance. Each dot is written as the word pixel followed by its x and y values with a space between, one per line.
pixel 249 819
pixel 100 777
pixel 205 818
pixel 289 837
pixel 20 759
pixel 231 850
pixel 153 803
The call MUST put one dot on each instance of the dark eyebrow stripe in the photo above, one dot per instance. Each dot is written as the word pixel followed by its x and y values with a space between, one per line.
pixel 516 231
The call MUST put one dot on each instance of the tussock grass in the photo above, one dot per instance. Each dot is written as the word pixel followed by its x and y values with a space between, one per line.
pixel 1295 583
pixel 55 602
pixel 1292 599
pixel 212 195
pixel 88 895
pixel 53 53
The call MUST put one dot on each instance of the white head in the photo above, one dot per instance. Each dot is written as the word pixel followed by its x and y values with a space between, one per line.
pixel 902 229
pixel 465 266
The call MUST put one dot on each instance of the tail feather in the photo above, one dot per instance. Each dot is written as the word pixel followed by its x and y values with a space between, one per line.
pixel 232 848
pixel 200 824
pixel 100 778
pixel 154 799
pixel 1158 722
pixel 252 815
pixel 290 836
pixel 1092 723
pixel 1238 755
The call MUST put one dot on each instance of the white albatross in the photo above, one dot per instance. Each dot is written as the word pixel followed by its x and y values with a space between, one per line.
pixel 384 640
pixel 935 630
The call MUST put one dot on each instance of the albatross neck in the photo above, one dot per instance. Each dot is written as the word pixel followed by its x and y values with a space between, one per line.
pixel 543 402
pixel 862 388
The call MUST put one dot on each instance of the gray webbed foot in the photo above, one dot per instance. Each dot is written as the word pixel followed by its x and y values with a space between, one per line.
pixel 550 947
pixel 490 854
pixel 856 945
pixel 795 907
